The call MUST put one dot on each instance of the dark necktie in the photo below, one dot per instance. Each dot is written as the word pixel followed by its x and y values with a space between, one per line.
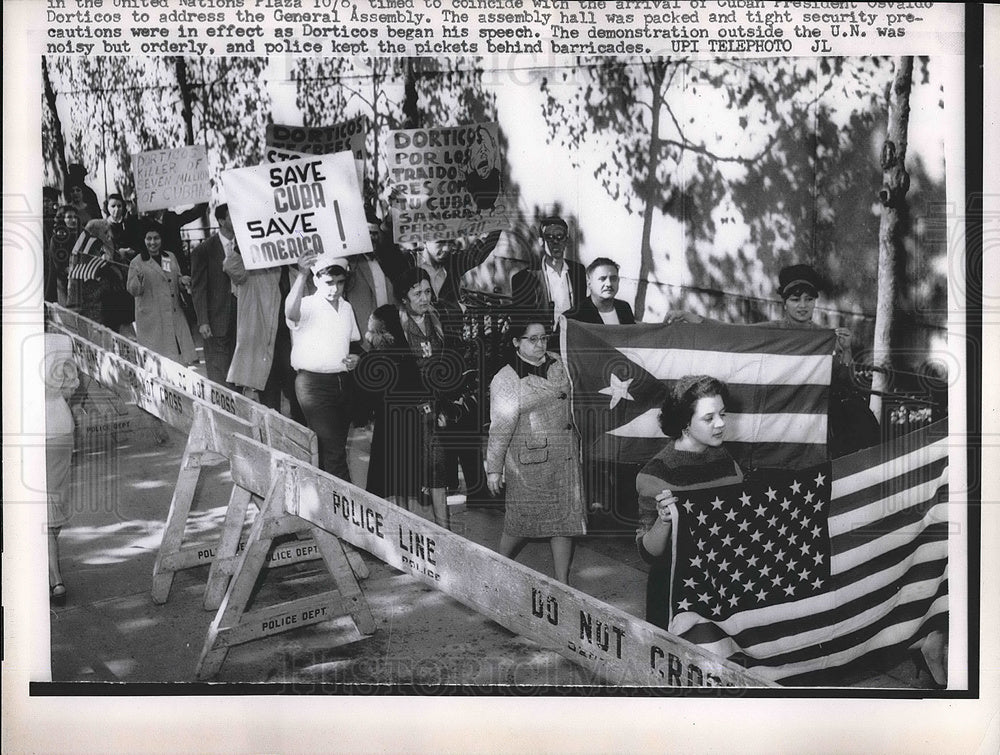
pixel 284 285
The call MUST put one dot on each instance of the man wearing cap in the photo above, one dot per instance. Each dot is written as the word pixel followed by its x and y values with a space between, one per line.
pixel 325 347
pixel 557 286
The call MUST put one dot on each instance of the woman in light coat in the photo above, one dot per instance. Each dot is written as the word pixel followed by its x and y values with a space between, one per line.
pixel 533 443
pixel 155 280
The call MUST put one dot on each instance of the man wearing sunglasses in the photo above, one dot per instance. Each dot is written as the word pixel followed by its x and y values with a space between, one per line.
pixel 557 285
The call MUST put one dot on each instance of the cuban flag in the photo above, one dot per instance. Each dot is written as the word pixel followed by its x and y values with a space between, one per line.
pixel 778 378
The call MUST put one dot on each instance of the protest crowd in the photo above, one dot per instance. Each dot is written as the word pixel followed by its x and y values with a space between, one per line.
pixel 454 392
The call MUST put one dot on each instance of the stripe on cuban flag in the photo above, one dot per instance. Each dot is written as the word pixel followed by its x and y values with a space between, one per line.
pixel 778 380
pixel 886 540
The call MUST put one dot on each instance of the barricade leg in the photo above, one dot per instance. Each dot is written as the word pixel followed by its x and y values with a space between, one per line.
pixel 180 508
pixel 226 550
pixel 336 557
pixel 234 624
pixel 235 601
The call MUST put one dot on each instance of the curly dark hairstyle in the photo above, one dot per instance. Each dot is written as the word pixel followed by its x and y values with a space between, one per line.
pixel 678 407
pixel 406 280
pixel 388 331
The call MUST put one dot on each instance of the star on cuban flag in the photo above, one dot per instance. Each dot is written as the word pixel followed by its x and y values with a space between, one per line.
pixel 779 383
pixel 618 390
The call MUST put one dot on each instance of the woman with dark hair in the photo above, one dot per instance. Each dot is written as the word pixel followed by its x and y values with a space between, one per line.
pixel 155 280
pixel 693 416
pixel 389 384
pixel 66 229
pixel 441 374
pixel 799 287
pixel 533 444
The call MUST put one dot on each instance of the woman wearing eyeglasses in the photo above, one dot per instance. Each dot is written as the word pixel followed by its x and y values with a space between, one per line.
pixel 533 445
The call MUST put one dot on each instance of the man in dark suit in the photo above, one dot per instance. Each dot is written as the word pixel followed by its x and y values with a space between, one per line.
pixel 214 303
pixel 610 486
pixel 601 306
pixel 557 286
pixel 367 286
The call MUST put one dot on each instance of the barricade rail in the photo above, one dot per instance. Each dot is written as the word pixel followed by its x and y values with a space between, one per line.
pixel 272 462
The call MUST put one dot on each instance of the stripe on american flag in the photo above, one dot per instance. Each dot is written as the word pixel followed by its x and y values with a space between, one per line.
pixel 888 548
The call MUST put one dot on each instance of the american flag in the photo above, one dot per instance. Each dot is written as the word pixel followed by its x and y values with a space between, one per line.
pixel 779 382
pixel 804 576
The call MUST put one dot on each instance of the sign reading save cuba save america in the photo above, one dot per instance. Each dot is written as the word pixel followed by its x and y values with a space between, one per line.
pixel 284 210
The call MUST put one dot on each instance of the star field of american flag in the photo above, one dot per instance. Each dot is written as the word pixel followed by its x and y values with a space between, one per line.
pixel 752 545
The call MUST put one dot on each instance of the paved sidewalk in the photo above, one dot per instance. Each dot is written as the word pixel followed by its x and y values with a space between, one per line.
pixel 110 630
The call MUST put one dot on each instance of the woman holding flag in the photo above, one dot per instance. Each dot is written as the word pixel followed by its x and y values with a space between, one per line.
pixel 693 417
pixel 852 424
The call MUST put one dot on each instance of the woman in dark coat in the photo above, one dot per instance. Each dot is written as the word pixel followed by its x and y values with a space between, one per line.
pixel 390 388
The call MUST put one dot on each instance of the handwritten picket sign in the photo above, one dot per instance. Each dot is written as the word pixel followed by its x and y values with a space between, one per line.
pixel 284 210
pixel 345 136
pixel 291 142
pixel 167 178
pixel 452 182
pixel 619 648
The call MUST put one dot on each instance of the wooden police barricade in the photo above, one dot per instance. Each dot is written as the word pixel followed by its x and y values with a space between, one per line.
pixel 619 648
pixel 264 472
pixel 177 395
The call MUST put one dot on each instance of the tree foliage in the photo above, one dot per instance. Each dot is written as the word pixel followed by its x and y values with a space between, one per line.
pixel 124 105
pixel 780 146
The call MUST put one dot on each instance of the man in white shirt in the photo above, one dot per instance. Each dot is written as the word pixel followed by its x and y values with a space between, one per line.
pixel 324 335
pixel 556 286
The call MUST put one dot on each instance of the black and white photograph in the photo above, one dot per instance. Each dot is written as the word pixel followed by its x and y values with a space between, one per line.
pixel 431 354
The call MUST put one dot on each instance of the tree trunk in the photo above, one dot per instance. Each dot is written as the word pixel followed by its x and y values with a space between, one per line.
pixel 411 112
pixel 186 99
pixel 50 101
pixel 645 250
pixel 892 195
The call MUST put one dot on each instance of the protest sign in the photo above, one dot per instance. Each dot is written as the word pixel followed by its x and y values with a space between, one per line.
pixel 167 178
pixel 452 182
pixel 280 155
pixel 283 210
pixel 323 140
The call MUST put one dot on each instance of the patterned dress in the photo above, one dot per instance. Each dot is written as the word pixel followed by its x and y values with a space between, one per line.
pixel 533 442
